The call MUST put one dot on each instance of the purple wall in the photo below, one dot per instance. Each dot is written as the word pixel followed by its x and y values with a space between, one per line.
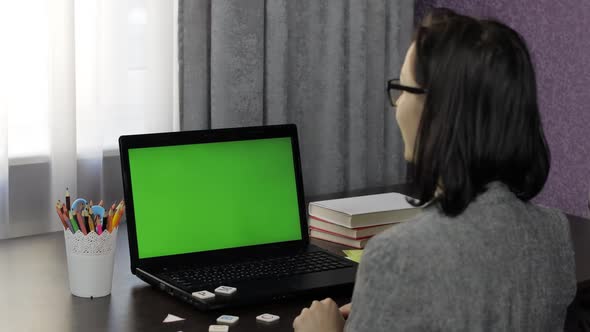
pixel 556 33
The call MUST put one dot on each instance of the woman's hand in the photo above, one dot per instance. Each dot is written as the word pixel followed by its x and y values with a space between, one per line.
pixel 321 316
pixel 345 310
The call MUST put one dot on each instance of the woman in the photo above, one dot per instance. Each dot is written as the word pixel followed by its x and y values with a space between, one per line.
pixel 479 257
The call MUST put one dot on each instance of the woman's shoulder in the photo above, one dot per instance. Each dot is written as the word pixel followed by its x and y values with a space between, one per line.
pixel 493 214
pixel 418 231
pixel 417 228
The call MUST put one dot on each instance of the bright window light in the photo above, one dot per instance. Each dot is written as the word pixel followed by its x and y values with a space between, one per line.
pixel 25 77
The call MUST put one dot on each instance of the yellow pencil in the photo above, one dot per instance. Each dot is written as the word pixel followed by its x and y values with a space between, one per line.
pixel 110 220
pixel 88 216
pixel 116 216
pixel 120 214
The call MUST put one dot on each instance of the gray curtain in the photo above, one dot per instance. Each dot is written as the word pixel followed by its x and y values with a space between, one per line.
pixel 321 64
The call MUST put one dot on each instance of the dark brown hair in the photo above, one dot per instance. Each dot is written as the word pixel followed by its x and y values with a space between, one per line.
pixel 480 121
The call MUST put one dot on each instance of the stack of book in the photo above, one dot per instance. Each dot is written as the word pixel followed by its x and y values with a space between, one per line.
pixel 353 221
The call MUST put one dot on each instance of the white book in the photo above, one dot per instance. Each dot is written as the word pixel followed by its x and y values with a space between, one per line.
pixel 359 244
pixel 363 211
pixel 351 233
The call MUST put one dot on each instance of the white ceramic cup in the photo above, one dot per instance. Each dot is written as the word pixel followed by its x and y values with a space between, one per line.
pixel 90 262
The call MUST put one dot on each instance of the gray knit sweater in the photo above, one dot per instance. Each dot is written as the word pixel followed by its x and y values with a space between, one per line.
pixel 502 265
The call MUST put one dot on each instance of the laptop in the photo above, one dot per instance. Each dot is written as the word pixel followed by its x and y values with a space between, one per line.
pixel 217 217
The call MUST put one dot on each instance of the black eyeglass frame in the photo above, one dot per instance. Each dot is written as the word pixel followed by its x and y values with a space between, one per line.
pixel 393 84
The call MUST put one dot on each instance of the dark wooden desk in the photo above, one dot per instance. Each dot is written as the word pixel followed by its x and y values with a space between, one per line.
pixel 34 293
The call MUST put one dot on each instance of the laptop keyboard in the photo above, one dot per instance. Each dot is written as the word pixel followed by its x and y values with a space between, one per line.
pixel 276 267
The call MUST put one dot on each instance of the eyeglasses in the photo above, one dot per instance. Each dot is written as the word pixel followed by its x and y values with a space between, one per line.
pixel 394 90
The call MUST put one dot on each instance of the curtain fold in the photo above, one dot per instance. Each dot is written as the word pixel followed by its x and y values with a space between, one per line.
pixel 237 62
pixel 322 65
pixel 3 156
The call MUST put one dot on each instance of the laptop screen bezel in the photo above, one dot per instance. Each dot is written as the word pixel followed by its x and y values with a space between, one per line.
pixel 208 136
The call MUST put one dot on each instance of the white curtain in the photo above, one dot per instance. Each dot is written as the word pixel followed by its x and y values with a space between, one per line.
pixel 75 76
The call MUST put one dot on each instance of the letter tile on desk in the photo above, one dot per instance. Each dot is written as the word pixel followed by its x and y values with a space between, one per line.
pixel 267 318
pixel 218 328
pixel 227 319
pixel 225 290
pixel 203 295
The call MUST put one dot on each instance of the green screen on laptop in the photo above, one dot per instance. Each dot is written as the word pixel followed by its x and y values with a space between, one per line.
pixel 209 196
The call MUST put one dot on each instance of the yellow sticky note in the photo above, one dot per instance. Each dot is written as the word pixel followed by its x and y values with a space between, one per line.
pixel 354 255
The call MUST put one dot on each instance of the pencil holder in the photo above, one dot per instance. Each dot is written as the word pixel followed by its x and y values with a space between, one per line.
pixel 90 262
